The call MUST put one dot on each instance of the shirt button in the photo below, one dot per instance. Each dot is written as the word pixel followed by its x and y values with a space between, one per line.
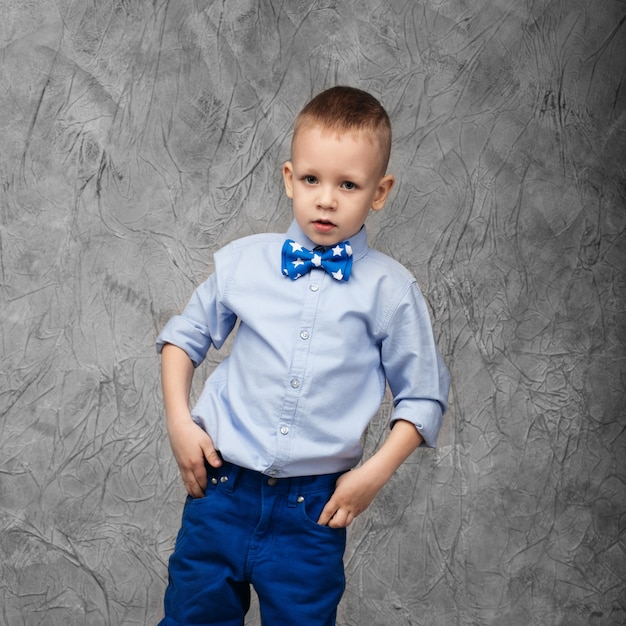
pixel 295 383
pixel 304 334
pixel 314 287
pixel 284 430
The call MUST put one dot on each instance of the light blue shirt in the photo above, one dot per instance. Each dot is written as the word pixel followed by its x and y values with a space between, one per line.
pixel 310 359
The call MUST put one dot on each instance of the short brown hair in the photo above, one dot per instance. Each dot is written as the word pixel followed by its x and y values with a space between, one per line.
pixel 348 109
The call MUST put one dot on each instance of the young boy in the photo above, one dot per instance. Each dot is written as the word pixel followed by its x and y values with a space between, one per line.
pixel 268 453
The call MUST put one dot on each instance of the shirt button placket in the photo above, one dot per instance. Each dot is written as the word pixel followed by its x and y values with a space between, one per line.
pixel 298 366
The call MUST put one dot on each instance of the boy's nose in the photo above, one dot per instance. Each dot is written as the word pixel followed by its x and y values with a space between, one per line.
pixel 326 198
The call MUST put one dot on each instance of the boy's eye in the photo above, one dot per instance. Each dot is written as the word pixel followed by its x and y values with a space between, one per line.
pixel 310 180
pixel 349 186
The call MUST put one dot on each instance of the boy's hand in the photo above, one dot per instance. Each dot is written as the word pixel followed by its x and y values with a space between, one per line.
pixel 354 492
pixel 191 446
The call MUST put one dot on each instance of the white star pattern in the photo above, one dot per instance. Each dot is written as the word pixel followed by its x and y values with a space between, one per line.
pixel 301 257
pixel 338 275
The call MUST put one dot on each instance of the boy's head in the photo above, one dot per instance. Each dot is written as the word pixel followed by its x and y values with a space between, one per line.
pixel 339 155
pixel 345 110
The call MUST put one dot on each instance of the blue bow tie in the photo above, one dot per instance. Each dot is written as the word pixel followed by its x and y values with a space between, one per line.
pixel 297 260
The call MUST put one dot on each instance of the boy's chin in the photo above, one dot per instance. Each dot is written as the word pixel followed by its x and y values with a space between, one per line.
pixel 327 242
pixel 329 239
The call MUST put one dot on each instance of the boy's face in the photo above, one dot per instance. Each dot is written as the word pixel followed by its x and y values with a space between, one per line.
pixel 334 180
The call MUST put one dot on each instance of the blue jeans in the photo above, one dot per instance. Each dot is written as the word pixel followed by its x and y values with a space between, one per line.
pixel 251 529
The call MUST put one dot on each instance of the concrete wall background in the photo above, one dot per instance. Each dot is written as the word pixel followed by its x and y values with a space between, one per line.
pixel 138 137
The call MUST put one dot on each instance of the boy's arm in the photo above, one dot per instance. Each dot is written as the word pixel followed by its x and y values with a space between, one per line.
pixel 356 489
pixel 190 444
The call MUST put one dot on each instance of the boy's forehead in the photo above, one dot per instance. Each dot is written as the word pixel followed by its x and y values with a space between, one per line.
pixel 335 132
pixel 316 133
pixel 303 149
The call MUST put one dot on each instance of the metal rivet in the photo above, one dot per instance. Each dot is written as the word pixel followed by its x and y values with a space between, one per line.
pixel 214 481
pixel 224 479
pixel 300 499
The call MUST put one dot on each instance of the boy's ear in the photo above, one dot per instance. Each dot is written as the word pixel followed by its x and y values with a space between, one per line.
pixel 288 178
pixel 382 192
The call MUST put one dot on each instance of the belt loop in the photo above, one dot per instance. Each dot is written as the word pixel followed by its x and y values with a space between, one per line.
pixel 230 474
pixel 294 492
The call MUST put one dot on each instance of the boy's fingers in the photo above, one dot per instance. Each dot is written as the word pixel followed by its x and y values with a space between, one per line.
pixel 328 512
pixel 209 452
pixel 195 484
pixel 213 458
pixel 201 478
pixel 341 519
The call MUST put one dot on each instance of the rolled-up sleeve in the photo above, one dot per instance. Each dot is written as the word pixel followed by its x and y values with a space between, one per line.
pixel 417 375
pixel 205 322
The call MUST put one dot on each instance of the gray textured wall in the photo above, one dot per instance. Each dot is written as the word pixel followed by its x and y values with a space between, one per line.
pixel 137 137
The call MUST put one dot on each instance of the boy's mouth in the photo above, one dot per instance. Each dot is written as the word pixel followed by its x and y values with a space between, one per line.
pixel 323 226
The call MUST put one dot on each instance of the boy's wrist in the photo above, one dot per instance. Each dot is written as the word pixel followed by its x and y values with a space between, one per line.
pixel 379 470
pixel 178 416
pixel 403 439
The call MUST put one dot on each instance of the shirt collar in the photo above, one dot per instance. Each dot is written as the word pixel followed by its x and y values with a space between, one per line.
pixel 358 242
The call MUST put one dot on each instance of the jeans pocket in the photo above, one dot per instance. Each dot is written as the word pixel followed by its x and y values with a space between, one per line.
pixel 311 506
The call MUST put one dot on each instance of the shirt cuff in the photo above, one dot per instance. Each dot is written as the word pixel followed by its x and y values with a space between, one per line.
pixel 425 415
pixel 190 337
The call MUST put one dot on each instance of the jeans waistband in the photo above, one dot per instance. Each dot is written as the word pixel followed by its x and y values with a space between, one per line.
pixel 231 476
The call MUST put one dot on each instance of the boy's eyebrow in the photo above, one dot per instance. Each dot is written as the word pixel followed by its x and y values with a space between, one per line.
pixel 345 176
